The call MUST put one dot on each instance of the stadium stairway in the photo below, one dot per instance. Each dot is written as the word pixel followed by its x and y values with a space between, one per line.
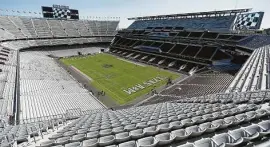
pixel 8 65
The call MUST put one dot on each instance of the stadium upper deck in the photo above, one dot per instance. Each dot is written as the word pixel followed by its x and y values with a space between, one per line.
pixel 221 21
pixel 16 27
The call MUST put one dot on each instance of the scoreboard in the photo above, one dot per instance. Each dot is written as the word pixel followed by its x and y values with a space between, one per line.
pixel 59 12
pixel 249 21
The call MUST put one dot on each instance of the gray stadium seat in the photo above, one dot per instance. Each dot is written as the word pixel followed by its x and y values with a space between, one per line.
pixel 239 134
pixel 82 131
pixel 221 124
pixel 141 125
pixel 69 133
pixel 94 134
pixel 147 142
pixel 118 130
pixel 241 117
pixel 205 142
pixel 47 143
pixel 90 142
pixel 73 144
pixel 77 138
pixel 106 140
pixel 164 139
pixel 122 137
pixel 187 122
pixel 231 120
pixel 130 127
pixel 175 125
pixel 128 144
pixel 208 117
pixel 208 127
pixel 254 131
pixel 194 131
pixel 226 140
pixel 261 113
pixel 105 132
pixel 265 126
pixel 197 119
pixel 135 134
pixel 150 130
pixel 179 134
pixel 62 140
pixel 163 127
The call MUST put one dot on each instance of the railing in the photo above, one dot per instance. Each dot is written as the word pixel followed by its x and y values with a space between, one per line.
pixel 16 103
pixel 220 96
pixel 69 115
pixel 41 119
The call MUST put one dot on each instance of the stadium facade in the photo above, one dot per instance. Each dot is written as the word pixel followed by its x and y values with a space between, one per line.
pixel 222 101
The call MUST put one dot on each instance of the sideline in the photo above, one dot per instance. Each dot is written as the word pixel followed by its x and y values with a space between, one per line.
pixel 84 75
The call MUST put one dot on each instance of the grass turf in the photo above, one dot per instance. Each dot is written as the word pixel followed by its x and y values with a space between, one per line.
pixel 113 75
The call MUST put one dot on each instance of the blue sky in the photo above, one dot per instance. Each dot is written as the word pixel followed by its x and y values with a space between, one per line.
pixel 131 8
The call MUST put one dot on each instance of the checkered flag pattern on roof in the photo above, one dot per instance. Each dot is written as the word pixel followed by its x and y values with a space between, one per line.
pixel 247 20
pixel 61 13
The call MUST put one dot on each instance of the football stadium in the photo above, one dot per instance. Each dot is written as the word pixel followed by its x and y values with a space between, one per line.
pixel 193 79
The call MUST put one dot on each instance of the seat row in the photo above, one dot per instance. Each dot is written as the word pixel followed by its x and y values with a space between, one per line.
pixel 237 137
pixel 23 44
pixel 22 133
pixel 151 136
pixel 255 97
pixel 119 121
pixel 255 41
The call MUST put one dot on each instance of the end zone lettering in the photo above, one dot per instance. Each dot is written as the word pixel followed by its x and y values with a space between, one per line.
pixel 143 85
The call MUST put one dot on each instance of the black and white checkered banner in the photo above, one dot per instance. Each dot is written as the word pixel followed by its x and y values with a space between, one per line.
pixel 249 21
pixel 61 13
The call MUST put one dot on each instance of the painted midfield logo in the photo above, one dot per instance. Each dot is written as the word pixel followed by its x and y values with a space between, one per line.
pixel 107 65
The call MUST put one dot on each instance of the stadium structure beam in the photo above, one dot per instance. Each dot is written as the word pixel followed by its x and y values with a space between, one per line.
pixel 192 15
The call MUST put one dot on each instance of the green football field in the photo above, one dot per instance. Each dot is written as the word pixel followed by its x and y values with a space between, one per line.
pixel 122 81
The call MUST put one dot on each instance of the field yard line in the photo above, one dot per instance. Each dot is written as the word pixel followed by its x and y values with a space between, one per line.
pixel 103 76
pixel 132 62
pixel 93 71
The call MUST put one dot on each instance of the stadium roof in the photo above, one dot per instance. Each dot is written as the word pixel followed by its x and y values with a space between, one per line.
pixel 201 14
